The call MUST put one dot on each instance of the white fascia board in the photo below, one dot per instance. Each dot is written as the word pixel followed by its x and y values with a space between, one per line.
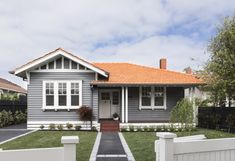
pixel 52 55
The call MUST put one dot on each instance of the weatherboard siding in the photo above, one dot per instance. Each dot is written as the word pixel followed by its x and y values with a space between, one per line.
pixel 173 95
pixel 35 95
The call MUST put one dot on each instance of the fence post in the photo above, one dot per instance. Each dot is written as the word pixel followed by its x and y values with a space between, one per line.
pixel 164 147
pixel 70 147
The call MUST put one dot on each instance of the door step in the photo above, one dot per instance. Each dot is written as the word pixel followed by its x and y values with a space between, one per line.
pixel 109 126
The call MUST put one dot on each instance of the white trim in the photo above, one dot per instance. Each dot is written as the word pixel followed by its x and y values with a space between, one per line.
pixel 153 107
pixel 123 105
pixel 68 95
pixel 28 77
pixel 62 70
pixel 111 156
pixel 126 102
pixel 95 147
pixel 126 147
pixel 60 52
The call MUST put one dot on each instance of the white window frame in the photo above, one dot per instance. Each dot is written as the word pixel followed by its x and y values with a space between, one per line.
pixel 56 97
pixel 152 106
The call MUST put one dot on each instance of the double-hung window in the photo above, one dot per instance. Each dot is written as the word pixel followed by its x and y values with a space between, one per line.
pixel 152 97
pixel 62 94
pixel 49 94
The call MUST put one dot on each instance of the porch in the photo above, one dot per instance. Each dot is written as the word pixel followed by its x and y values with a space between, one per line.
pixel 141 104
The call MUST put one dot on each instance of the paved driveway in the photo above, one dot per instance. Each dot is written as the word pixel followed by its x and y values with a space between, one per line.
pixel 12 131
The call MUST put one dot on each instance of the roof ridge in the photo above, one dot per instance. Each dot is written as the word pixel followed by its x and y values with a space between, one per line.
pixel 165 70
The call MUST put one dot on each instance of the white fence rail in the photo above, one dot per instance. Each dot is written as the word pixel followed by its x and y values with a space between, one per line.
pixel 66 153
pixel 170 148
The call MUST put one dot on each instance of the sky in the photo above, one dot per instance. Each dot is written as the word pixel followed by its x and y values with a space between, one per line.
pixel 135 31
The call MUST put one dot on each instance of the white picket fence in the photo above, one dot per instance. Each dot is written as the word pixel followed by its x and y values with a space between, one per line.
pixel 194 148
pixel 66 153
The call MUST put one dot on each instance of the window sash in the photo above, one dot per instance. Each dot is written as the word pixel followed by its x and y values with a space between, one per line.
pixel 63 89
pixel 156 93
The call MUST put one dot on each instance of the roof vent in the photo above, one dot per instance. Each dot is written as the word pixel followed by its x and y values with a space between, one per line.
pixel 163 63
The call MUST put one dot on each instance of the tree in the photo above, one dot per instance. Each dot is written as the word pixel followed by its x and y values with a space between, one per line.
pixel 219 71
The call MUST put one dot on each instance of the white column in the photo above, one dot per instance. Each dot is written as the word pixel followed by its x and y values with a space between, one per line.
pixel 164 147
pixel 126 105
pixel 123 106
pixel 69 147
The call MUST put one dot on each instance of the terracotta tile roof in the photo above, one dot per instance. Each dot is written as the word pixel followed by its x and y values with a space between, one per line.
pixel 126 73
pixel 7 85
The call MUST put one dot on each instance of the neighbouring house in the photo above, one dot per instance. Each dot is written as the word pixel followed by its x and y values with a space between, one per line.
pixel 7 87
pixel 60 82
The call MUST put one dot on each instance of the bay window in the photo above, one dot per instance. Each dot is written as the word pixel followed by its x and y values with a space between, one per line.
pixel 62 94
pixel 152 97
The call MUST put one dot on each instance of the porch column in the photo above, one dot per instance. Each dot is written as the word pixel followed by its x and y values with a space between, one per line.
pixel 126 105
pixel 123 105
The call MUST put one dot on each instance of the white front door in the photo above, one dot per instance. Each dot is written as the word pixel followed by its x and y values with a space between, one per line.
pixel 109 103
pixel 105 104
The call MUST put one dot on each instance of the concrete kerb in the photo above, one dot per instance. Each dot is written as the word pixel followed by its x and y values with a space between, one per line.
pixel 95 147
pixel 126 147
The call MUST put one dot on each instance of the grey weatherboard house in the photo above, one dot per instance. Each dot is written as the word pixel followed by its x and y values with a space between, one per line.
pixel 60 82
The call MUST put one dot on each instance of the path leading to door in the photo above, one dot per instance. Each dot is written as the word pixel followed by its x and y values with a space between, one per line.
pixel 110 148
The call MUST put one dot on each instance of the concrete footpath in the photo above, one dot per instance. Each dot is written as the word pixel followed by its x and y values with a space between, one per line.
pixel 111 148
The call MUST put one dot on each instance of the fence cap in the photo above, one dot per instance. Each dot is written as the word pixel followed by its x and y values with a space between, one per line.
pixel 70 139
pixel 166 135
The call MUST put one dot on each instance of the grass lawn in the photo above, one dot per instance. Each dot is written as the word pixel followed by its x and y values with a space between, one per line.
pixel 46 139
pixel 142 143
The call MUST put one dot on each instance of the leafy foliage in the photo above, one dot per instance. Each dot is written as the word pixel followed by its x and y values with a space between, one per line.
pixel 85 113
pixel 219 71
pixel 182 112
pixel 8 118
pixel 9 96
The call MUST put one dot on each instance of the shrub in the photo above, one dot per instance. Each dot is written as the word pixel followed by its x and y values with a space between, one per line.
pixel 9 96
pixel 78 127
pixel 52 126
pixel 42 127
pixel 69 126
pixel 182 112
pixel 131 128
pixel 8 118
pixel 19 117
pixel 60 127
pixel 124 129
pixel 85 114
pixel 93 128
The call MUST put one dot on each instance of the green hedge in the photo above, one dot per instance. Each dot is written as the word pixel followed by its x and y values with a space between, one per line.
pixel 8 118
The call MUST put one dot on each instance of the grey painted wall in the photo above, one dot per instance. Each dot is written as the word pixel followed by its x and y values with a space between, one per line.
pixel 35 112
pixel 173 94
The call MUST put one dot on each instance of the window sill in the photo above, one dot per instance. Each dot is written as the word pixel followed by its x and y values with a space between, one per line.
pixel 61 108
pixel 152 108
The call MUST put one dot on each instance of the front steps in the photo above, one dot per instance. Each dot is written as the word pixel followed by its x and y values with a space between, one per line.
pixel 109 126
